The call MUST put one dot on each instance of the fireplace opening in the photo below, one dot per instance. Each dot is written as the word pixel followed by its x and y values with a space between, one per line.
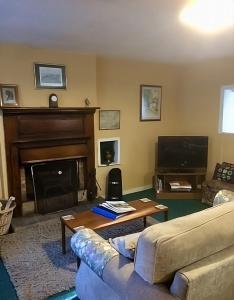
pixel 51 186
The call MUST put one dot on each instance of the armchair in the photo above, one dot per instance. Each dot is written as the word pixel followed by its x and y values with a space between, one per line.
pixel 223 179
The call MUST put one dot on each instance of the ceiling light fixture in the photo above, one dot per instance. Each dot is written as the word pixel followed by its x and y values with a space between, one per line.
pixel 208 15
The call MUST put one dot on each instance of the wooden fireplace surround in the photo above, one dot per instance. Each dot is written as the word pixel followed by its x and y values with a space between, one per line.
pixel 44 134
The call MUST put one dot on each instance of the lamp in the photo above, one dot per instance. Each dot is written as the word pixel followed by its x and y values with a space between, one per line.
pixel 208 16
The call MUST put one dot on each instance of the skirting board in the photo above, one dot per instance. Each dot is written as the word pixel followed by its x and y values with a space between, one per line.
pixel 134 190
pixel 137 189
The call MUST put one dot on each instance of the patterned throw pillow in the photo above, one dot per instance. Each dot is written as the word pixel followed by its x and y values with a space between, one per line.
pixel 224 172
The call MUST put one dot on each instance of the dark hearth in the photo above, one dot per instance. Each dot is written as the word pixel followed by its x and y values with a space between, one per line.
pixel 55 185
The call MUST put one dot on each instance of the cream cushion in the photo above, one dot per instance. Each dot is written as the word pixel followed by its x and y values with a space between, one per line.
pixel 126 244
pixel 164 248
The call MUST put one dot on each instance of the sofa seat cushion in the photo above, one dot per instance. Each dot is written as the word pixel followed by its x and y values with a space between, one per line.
pixel 216 271
pixel 119 274
pixel 164 248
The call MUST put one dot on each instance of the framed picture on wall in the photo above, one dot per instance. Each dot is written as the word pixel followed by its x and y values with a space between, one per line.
pixel 109 119
pixel 150 102
pixel 9 95
pixel 50 76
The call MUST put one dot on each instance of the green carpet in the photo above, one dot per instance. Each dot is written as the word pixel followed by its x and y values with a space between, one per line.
pixel 7 290
pixel 177 208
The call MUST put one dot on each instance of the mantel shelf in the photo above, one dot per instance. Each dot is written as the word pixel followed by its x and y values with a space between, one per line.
pixel 36 110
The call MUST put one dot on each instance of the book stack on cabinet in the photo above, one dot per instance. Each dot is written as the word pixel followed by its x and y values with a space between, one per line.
pixel 176 185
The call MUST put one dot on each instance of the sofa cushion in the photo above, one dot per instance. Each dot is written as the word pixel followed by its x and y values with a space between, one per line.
pixel 224 172
pixel 223 196
pixel 125 244
pixel 216 271
pixel 164 248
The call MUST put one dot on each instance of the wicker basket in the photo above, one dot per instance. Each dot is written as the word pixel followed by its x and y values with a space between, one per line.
pixel 5 217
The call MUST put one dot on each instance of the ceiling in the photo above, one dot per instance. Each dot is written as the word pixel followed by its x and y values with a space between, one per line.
pixel 139 29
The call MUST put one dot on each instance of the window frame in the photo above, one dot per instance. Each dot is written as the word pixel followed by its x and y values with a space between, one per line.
pixel 223 88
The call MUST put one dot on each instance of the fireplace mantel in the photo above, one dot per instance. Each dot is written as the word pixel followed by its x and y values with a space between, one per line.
pixel 36 134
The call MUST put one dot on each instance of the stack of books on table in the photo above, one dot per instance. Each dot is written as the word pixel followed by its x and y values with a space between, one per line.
pixel 180 186
pixel 113 209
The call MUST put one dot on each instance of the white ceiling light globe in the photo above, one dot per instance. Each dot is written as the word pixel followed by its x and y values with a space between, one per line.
pixel 208 15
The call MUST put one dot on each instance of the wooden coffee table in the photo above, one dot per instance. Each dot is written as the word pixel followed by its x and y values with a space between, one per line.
pixel 94 221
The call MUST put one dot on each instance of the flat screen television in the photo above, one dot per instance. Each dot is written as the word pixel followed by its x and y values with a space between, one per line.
pixel 182 153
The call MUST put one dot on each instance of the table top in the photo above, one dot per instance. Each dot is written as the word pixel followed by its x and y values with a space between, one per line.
pixel 95 221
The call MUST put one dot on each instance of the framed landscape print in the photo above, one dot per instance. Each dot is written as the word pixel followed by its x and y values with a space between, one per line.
pixel 109 119
pixel 8 95
pixel 50 76
pixel 150 102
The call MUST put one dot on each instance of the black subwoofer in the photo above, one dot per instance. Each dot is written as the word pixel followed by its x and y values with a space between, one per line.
pixel 114 185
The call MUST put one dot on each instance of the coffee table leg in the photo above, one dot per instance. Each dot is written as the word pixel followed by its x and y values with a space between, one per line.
pixel 144 221
pixel 78 261
pixel 165 215
pixel 63 237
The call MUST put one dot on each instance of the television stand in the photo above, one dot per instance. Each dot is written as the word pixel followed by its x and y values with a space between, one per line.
pixel 163 179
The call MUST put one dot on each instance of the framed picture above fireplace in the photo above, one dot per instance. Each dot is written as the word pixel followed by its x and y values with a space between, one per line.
pixel 108 152
pixel 50 76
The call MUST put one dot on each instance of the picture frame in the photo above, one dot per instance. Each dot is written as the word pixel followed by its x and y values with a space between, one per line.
pixel 108 152
pixel 150 102
pixel 9 95
pixel 109 119
pixel 48 76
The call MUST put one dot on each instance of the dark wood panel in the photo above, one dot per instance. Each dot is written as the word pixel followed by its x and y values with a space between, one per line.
pixel 49 153
pixel 47 125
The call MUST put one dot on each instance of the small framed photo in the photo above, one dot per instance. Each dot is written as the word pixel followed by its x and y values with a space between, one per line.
pixel 50 76
pixel 109 119
pixel 9 95
pixel 109 152
pixel 150 102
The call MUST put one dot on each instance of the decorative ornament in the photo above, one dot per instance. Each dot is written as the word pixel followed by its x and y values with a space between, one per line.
pixel 53 101
pixel 87 102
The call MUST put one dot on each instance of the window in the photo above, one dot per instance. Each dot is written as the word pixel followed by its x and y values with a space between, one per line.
pixel 226 123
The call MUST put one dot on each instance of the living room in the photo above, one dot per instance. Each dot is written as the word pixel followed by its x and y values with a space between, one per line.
pixel 191 76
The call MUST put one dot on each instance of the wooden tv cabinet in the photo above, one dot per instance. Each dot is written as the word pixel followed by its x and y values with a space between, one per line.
pixel 194 177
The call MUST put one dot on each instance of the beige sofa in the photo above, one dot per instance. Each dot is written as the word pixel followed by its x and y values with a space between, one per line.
pixel 189 258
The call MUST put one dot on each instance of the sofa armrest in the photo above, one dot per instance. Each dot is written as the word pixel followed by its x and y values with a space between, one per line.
pixel 209 278
pixel 92 249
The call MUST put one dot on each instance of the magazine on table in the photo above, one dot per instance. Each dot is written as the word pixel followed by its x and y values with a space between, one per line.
pixel 118 206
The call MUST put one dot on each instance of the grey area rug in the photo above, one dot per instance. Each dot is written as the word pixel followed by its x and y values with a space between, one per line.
pixel 33 258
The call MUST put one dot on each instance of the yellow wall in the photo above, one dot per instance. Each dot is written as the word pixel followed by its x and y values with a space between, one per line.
pixel 115 83
pixel 199 104
pixel 190 103
pixel 118 87
pixel 17 68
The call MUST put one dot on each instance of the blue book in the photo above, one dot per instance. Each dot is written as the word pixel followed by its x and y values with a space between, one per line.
pixel 106 213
